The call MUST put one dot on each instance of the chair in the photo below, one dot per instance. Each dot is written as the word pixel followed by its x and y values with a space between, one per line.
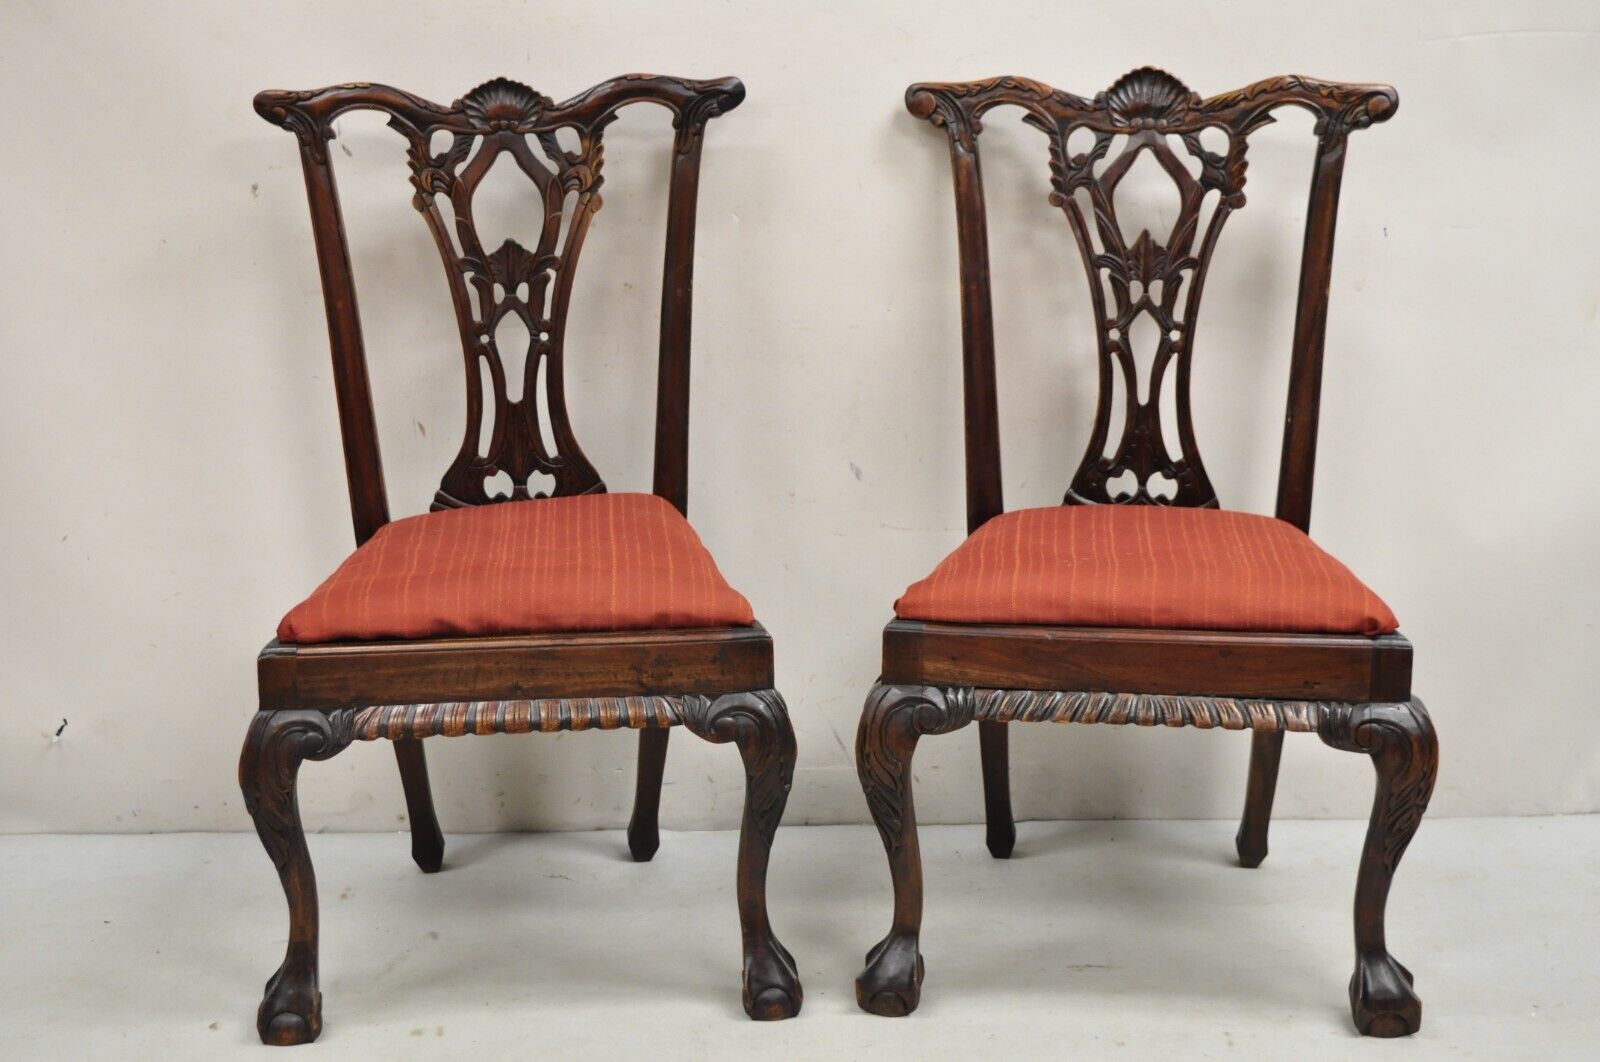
pixel 516 611
pixel 1139 600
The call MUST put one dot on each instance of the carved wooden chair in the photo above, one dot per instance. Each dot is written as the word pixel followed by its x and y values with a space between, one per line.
pixel 519 612
pixel 1139 600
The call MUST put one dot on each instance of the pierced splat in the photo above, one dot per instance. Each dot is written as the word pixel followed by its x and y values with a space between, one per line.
pixel 1156 277
pixel 510 299
pixel 1145 286
pixel 511 281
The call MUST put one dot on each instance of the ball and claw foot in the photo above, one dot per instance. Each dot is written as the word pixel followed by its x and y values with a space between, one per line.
pixel 1405 751
pixel 1381 999
pixel 891 985
pixel 771 985
pixel 291 1006
pixel 758 723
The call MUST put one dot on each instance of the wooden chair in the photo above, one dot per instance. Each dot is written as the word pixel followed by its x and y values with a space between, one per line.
pixel 1139 600
pixel 599 631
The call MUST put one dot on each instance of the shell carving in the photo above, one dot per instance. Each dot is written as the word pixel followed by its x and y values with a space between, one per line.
pixel 503 104
pixel 1147 98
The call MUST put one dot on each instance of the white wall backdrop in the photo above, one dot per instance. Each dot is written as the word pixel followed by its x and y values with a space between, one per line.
pixel 172 473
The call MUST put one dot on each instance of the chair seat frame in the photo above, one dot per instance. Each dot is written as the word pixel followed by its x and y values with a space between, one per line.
pixel 1354 692
pixel 316 700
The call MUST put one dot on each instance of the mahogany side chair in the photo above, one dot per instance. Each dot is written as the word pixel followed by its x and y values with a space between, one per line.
pixel 516 611
pixel 1139 600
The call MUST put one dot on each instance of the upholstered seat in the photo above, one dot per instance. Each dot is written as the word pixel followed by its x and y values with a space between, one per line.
pixel 593 562
pixel 1146 566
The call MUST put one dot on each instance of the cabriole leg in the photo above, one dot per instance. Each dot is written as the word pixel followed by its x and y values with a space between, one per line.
pixel 892 721
pixel 758 723
pixel 274 748
pixel 1405 751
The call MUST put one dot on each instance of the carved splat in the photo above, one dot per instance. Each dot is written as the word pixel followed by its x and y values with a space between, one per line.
pixel 492 281
pixel 510 299
pixel 1145 286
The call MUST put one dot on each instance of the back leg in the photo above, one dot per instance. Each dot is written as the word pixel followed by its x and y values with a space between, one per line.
pixel 1266 749
pixel 427 843
pixel 995 748
pixel 643 836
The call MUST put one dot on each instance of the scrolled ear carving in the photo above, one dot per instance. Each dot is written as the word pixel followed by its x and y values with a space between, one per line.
pixel 708 103
pixel 281 108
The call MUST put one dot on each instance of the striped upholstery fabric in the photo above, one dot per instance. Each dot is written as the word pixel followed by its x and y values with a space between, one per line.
pixel 595 562
pixel 1145 566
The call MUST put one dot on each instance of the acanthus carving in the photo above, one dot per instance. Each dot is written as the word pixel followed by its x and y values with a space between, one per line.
pixel 894 718
pixel 758 723
pixel 1339 108
pixel 276 745
pixel 956 106
pixel 1400 739
pixel 1148 277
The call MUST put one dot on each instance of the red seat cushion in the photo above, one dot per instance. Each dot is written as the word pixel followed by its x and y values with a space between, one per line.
pixel 1145 566
pixel 596 562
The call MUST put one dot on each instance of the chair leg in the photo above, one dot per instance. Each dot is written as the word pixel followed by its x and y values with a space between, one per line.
pixel 894 718
pixel 1266 750
pixel 994 747
pixel 643 835
pixel 427 843
pixel 758 722
pixel 1405 751
pixel 274 748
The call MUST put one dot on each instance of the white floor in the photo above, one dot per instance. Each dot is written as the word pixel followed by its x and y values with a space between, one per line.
pixel 1126 939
